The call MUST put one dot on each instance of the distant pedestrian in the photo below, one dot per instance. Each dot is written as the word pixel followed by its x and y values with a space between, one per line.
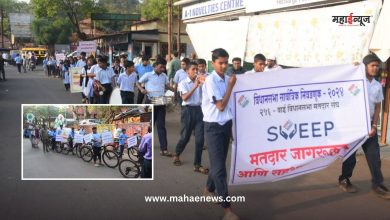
pixel 19 62
pixel 2 62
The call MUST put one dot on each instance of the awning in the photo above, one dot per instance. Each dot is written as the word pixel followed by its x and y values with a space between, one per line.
pixel 183 2
pixel 380 42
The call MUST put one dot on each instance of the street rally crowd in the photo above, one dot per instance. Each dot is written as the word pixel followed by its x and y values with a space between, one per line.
pixel 205 104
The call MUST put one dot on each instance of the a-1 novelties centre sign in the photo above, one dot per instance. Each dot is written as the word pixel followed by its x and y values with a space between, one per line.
pixel 211 8
pixel 296 121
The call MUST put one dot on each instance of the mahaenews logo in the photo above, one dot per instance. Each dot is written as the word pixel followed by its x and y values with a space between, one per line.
pixel 243 101
pixel 351 20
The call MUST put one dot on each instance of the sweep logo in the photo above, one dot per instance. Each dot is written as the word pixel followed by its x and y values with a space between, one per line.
pixel 289 130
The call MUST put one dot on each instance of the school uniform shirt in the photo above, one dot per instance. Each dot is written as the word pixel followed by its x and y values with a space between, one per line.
pixel 141 69
pixel 105 75
pixel 122 139
pixel 179 76
pixel 154 83
pixel 375 95
pixel 186 86
pixel 214 89
pixel 97 137
pixel 126 82
pixel 66 77
pixel 95 69
pixel 252 72
pixel 18 60
pixel 81 63
pixel 276 67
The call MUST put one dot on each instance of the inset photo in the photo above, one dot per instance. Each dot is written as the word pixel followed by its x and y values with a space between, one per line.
pixel 87 142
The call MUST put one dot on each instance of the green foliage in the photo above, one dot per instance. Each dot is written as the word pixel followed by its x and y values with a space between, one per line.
pixel 156 9
pixel 50 31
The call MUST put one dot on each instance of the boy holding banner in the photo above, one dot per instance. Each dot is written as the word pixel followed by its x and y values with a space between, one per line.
pixel 258 64
pixel 371 147
pixel 217 117
pixel 122 140
pixel 96 146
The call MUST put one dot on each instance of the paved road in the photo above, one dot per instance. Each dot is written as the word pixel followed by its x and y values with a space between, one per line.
pixel 53 165
pixel 313 196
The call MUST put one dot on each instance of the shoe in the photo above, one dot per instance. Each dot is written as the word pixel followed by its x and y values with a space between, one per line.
pixel 230 216
pixel 384 188
pixel 101 164
pixel 97 165
pixel 347 186
pixel 382 192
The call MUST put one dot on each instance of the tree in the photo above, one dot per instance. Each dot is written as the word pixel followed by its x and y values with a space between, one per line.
pixel 72 9
pixel 156 9
pixel 50 32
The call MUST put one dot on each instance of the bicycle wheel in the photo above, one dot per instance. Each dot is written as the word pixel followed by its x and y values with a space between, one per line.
pixel 133 154
pixel 76 150
pixel 129 169
pixel 58 148
pixel 86 153
pixel 65 148
pixel 110 158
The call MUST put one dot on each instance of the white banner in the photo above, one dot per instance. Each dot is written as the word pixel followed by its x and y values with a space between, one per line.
pixel 87 138
pixel 314 37
pixel 60 56
pixel 59 138
pixel 230 35
pixel 74 75
pixel 254 6
pixel 132 141
pixel 78 138
pixel 296 121
pixel 87 46
pixel 106 137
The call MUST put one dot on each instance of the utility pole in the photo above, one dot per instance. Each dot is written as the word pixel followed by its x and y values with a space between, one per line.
pixel 178 30
pixel 170 34
pixel 2 27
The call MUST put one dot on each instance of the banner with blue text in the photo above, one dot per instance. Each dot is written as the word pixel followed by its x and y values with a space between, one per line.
pixel 296 121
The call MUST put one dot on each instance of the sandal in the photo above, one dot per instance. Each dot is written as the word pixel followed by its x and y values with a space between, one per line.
pixel 177 161
pixel 201 169
pixel 165 153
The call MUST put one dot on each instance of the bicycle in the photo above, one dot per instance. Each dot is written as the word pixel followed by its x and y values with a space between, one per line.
pixel 131 168
pixel 110 157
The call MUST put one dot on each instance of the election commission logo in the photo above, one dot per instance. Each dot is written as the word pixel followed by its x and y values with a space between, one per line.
pixel 243 101
pixel 354 90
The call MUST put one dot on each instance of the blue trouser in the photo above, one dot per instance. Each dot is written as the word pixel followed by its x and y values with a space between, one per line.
pixel 191 119
pixel 122 148
pixel 371 150
pixel 159 112
pixel 218 137
pixel 146 171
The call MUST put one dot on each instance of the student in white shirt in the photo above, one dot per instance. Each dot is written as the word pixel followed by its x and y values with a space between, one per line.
pixel 191 117
pixel 371 147
pixel 258 64
pixel 126 82
pixel 104 78
pixel 217 117
pixel 180 75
